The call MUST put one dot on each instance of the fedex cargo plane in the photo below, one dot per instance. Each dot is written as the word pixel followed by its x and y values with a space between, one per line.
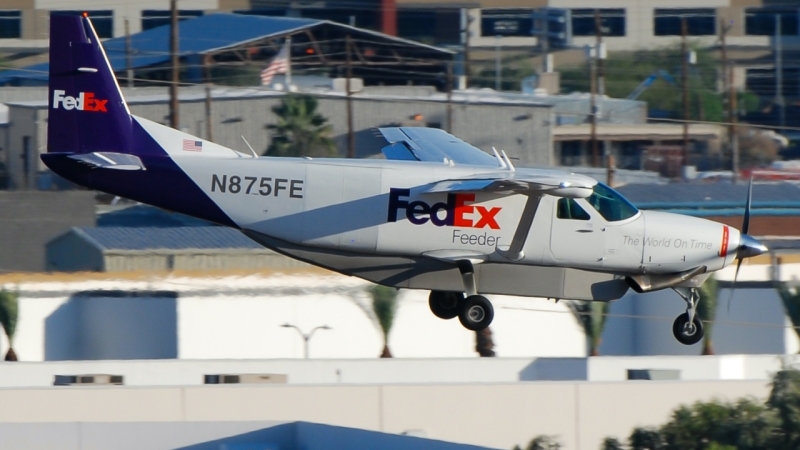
pixel 437 214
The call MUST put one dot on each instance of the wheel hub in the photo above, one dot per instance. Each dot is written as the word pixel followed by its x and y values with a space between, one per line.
pixel 689 329
pixel 476 313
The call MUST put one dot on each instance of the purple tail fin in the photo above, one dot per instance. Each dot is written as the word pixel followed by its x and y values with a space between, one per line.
pixel 86 110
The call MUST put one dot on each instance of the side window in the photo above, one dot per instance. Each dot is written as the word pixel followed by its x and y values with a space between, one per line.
pixel 569 209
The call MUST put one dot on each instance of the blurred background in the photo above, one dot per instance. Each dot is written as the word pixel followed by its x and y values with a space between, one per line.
pixel 126 323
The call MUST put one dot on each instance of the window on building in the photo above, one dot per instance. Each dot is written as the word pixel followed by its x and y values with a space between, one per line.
pixel 612 22
pixel 506 22
pixel 103 20
pixel 10 24
pixel 761 21
pixel 699 22
pixel 152 18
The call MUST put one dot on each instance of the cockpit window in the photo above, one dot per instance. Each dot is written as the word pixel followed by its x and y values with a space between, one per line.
pixel 569 209
pixel 610 204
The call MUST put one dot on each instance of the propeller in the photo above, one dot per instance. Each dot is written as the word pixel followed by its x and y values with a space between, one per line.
pixel 748 246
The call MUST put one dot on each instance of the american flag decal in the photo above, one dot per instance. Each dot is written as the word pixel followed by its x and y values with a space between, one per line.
pixel 192 146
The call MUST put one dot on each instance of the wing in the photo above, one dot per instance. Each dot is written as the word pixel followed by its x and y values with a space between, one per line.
pixel 521 181
pixel 433 145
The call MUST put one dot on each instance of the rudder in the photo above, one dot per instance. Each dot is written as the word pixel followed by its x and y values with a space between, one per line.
pixel 87 112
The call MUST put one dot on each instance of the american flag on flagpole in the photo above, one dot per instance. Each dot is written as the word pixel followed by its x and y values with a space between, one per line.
pixel 279 64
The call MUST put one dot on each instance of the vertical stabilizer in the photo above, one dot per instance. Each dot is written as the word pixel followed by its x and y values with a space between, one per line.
pixel 86 110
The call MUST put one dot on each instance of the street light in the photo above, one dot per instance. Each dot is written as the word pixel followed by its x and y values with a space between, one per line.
pixel 306 337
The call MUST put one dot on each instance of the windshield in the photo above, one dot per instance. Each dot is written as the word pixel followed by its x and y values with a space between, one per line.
pixel 610 204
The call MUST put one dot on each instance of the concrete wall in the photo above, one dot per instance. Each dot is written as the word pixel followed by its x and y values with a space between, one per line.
pixel 28 220
pixel 240 317
pixel 493 415
pixel 170 372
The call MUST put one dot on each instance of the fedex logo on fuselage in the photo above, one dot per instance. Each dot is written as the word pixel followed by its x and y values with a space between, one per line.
pixel 458 211
pixel 85 101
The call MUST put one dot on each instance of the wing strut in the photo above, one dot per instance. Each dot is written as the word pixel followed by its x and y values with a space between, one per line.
pixel 514 252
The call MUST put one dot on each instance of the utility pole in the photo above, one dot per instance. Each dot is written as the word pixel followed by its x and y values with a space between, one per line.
pixel 734 119
pixel 779 72
pixel 685 80
pixel 497 64
pixel 450 97
pixel 593 100
pixel 608 153
pixel 207 76
pixel 351 148
pixel 128 63
pixel 730 92
pixel 467 21
pixel 174 121
pixel 288 76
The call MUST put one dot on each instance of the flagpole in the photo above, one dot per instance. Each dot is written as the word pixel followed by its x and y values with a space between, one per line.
pixel 288 63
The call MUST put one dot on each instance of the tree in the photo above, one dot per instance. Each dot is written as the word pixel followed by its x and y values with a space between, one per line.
pixel 611 443
pixel 384 305
pixel 707 311
pixel 591 316
pixel 484 344
pixel 9 311
pixel 543 442
pixel 791 303
pixel 785 400
pixel 300 129
pixel 645 439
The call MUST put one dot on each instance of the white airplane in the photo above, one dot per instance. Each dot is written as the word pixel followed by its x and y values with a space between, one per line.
pixel 436 214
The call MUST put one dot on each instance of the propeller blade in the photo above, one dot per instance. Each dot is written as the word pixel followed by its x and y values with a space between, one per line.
pixel 746 223
pixel 733 285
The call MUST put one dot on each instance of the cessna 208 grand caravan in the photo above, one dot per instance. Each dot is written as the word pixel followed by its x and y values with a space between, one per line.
pixel 436 214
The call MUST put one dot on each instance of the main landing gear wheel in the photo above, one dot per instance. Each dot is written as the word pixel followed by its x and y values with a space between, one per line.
pixel 686 332
pixel 476 313
pixel 445 304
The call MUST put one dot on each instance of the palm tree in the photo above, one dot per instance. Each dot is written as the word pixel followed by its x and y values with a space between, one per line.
pixel 384 305
pixel 301 130
pixel 790 296
pixel 484 344
pixel 591 316
pixel 707 311
pixel 9 311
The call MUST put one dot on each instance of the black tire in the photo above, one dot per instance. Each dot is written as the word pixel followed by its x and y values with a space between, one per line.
pixel 687 337
pixel 445 304
pixel 476 313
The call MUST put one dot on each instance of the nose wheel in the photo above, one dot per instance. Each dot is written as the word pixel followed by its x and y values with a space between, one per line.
pixel 688 328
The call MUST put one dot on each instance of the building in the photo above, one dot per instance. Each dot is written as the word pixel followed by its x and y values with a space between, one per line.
pixel 29 219
pixel 242 45
pixel 155 249
pixel 522 125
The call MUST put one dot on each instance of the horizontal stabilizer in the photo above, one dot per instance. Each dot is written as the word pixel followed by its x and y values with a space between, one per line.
pixel 108 160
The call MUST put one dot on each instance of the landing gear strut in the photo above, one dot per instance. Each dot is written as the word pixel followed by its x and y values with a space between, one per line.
pixel 475 312
pixel 688 328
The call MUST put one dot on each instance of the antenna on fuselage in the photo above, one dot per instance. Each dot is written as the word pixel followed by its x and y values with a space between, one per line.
pixel 508 161
pixel 499 159
pixel 255 155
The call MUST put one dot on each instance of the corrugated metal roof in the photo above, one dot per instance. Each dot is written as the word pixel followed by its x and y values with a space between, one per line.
pixel 173 238
pixel 197 36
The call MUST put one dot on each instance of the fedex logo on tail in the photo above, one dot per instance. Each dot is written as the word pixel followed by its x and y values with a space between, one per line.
pixel 85 101
pixel 458 211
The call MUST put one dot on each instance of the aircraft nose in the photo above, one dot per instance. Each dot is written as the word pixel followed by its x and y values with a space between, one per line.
pixel 750 247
